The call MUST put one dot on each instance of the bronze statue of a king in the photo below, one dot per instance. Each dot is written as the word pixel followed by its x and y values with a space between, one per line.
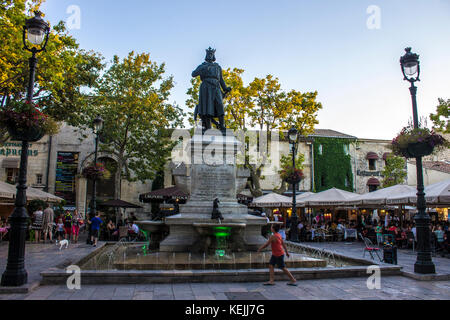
pixel 211 96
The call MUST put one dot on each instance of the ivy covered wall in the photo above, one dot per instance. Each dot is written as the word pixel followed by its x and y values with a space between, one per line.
pixel 332 164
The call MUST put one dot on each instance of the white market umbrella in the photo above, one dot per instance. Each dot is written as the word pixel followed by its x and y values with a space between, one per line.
pixel 36 194
pixel 435 194
pixel 272 200
pixel 332 198
pixel 301 198
pixel 381 196
pixel 7 191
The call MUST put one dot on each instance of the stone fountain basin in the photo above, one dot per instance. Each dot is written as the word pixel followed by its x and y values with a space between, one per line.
pixel 210 229
pixel 151 226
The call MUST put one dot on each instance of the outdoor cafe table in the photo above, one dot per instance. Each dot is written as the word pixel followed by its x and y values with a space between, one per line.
pixel 350 233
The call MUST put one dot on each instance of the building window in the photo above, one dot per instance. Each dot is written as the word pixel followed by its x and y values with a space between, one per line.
pixel 12 175
pixel 39 179
pixel 372 164
pixel 320 149
pixel 346 149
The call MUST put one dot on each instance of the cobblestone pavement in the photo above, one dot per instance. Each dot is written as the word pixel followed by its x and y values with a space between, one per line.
pixel 406 258
pixel 40 257
pixel 392 288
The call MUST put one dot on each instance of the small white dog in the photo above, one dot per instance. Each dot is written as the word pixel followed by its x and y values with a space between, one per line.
pixel 62 243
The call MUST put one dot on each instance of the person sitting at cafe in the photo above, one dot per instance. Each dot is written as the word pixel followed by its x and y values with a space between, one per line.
pixel 111 229
pixel 133 230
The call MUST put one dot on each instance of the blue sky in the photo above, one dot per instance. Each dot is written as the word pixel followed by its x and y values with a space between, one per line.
pixel 322 45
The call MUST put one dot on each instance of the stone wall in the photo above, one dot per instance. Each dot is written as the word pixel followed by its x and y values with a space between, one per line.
pixel 68 140
pixel 362 172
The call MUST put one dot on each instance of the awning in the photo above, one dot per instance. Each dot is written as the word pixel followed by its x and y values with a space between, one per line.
pixel 119 204
pixel 372 156
pixel 11 163
pixel 272 200
pixel 373 182
pixel 329 198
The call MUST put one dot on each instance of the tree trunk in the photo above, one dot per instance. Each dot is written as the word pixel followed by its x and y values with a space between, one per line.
pixel 255 185
pixel 283 188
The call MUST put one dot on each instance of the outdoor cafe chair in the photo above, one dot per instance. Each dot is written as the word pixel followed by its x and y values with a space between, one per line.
pixel 370 248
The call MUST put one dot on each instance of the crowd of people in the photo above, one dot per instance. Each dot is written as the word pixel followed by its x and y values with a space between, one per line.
pixel 46 226
pixel 402 234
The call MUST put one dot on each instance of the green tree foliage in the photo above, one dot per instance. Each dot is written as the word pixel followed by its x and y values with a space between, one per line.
pixel 332 165
pixel 132 98
pixel 64 72
pixel 441 117
pixel 394 172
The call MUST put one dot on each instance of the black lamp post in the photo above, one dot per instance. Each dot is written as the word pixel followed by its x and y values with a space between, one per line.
pixel 98 126
pixel 36 30
pixel 293 139
pixel 424 264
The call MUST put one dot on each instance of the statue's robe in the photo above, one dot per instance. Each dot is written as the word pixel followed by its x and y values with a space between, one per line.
pixel 210 97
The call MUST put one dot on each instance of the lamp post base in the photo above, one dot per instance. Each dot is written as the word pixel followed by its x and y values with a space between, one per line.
pixel 15 274
pixel 424 268
pixel 15 278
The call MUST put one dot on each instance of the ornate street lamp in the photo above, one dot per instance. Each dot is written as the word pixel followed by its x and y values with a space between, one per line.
pixel 98 126
pixel 424 264
pixel 36 30
pixel 293 139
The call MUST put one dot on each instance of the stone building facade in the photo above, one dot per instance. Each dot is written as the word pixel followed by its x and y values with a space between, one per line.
pixel 55 165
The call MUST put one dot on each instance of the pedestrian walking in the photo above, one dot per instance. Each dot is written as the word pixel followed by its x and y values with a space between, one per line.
pixel 278 251
pixel 38 217
pixel 60 229
pixel 95 228
pixel 76 223
pixel 48 221
pixel 68 224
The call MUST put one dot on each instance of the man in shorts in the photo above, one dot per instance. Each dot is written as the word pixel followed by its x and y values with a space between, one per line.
pixel 278 251
pixel 49 218
pixel 95 228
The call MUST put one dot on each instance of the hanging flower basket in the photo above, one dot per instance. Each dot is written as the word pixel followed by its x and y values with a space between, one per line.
pixel 25 122
pixel 292 176
pixel 96 172
pixel 415 143
pixel 30 134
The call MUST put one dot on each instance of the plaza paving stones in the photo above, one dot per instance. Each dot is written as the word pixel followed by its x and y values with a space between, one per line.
pixel 42 257
pixel 406 258
pixel 392 288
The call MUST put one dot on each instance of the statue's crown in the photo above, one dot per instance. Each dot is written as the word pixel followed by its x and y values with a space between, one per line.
pixel 210 50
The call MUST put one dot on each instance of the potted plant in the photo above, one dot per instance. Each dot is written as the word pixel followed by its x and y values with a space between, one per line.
pixel 292 176
pixel 97 171
pixel 25 122
pixel 417 142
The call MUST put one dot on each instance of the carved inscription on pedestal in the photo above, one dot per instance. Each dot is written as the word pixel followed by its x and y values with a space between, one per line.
pixel 209 183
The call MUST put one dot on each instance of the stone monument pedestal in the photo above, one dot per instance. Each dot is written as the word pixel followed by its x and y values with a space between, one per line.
pixel 213 174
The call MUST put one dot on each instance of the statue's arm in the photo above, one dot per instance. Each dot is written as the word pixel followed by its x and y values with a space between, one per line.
pixel 223 84
pixel 197 71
